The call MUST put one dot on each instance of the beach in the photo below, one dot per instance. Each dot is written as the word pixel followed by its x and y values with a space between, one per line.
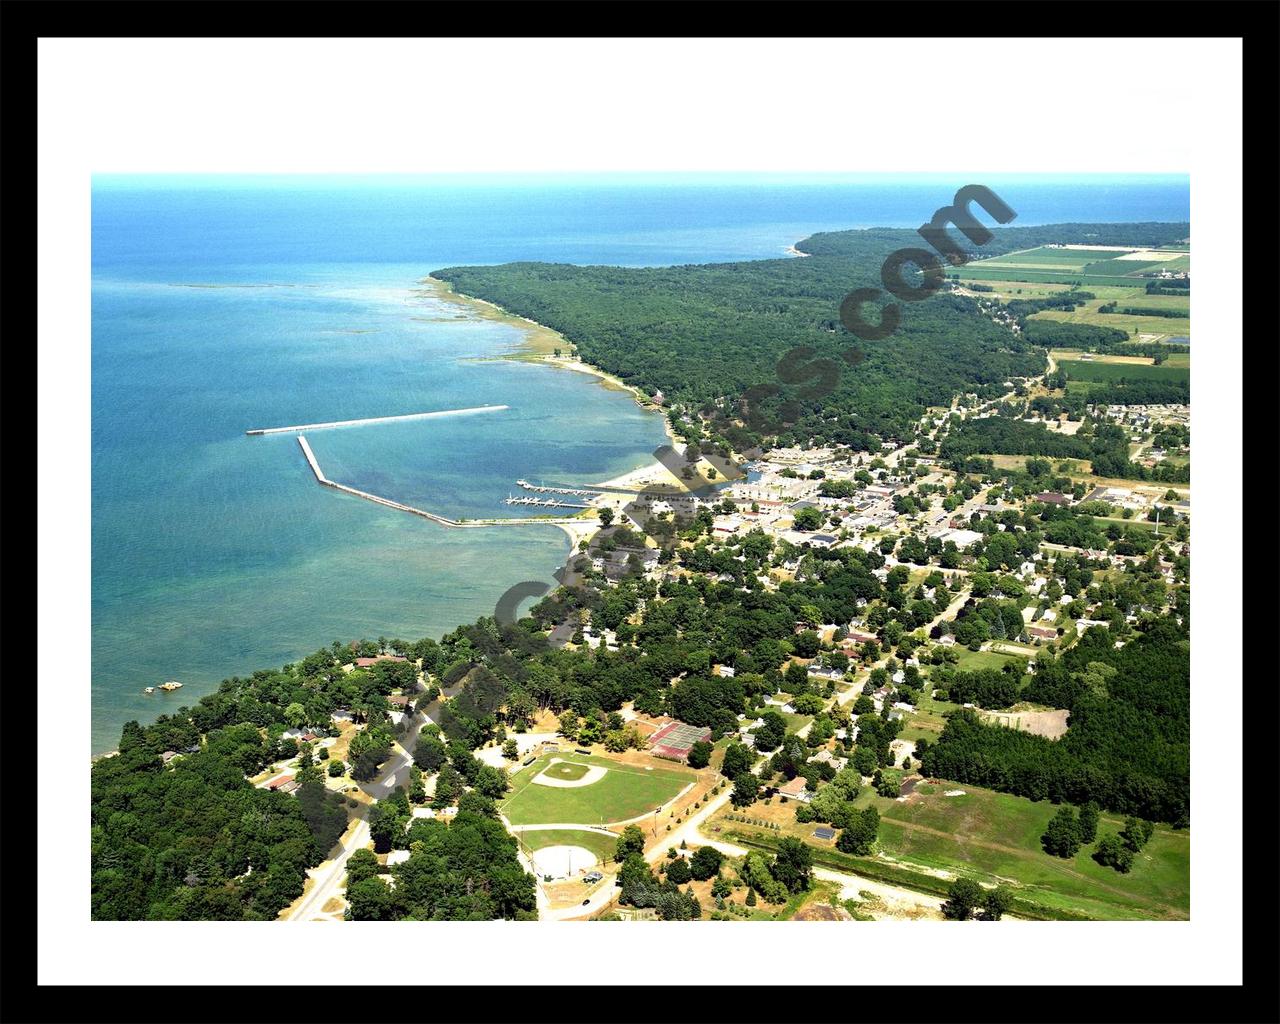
pixel 539 343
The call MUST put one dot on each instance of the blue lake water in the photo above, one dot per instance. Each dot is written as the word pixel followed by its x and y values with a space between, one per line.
pixel 224 304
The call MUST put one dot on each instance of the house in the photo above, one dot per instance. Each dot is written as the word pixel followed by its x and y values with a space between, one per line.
pixel 946 640
pixel 168 756
pixel 283 784
pixel 342 715
pixel 1051 498
pixel 400 700
pixel 818 672
pixel 1042 632
pixel 366 662
pixel 725 671
pixel 796 789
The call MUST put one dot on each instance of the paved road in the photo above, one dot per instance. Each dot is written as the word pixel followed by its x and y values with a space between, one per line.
pixel 328 875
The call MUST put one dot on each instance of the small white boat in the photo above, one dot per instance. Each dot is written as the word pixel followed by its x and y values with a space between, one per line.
pixel 149 689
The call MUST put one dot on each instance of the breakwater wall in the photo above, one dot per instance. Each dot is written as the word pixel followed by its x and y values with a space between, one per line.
pixel 258 432
pixel 401 507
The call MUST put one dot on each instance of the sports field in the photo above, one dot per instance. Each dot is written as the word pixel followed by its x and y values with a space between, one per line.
pixel 624 791
pixel 601 846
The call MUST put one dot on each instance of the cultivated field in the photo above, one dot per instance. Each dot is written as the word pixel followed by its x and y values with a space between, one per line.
pixel 1100 372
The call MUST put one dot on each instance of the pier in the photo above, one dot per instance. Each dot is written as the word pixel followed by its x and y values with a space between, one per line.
pixel 442 520
pixel 377 419
pixel 577 492
pixel 543 502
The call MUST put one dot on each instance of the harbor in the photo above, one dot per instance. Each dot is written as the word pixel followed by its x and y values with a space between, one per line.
pixel 441 520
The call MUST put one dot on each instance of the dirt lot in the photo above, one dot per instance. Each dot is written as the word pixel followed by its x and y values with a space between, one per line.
pixel 1051 724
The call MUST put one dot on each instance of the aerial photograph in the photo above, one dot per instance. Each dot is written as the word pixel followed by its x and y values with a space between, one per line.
pixel 640 547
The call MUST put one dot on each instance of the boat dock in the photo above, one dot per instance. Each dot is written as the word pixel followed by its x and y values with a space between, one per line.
pixel 543 502
pixel 577 492
pixel 378 419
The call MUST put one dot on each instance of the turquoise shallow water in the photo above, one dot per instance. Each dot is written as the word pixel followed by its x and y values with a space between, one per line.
pixel 229 304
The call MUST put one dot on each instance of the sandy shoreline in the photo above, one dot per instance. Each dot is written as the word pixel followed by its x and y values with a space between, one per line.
pixel 539 344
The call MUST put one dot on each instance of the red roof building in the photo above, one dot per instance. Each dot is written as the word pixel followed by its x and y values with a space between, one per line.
pixel 366 662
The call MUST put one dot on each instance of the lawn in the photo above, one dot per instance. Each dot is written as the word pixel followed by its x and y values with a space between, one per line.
pixel 626 791
pixel 601 845
pixel 972 661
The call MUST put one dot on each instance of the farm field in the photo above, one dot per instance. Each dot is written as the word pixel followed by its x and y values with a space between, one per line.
pixel 1093 267
pixel 625 791
pixel 1100 372
pixel 982 273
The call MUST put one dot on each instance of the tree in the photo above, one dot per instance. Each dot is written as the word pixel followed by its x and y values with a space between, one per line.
pixel 371 900
pixel 1088 823
pixel 1062 837
pixel 745 788
pixel 362 864
pixel 963 896
pixel 860 834
pixel 510 750
pixel 678 871
pixel 430 752
pixel 996 903
pixel 808 518
pixel 1136 833
pixel 384 825
pixel 738 758
pixel 700 754
pixel 630 842
pixel 294 715
pixel 336 768
pixel 606 516
pixel 793 864
pixel 705 863
pixel 1113 853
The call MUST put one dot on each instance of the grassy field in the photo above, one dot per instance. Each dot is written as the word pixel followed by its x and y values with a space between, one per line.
pixel 1097 372
pixel 601 845
pixel 996 837
pixel 972 661
pixel 626 791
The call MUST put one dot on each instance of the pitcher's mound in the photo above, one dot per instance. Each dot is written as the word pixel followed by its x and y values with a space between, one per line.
pixel 568 774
